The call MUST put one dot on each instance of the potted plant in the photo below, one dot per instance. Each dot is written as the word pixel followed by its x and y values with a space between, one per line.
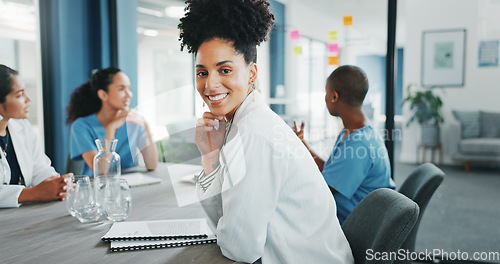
pixel 426 107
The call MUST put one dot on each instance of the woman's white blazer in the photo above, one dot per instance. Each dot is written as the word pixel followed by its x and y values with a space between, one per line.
pixel 268 199
pixel 35 165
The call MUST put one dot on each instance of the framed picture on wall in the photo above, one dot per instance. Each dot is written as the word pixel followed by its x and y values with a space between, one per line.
pixel 443 58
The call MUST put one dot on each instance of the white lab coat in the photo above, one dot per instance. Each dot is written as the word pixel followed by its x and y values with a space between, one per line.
pixel 274 204
pixel 35 165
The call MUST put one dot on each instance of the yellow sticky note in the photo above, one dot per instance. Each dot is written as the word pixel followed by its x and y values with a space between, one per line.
pixel 332 35
pixel 347 20
pixel 297 50
pixel 334 60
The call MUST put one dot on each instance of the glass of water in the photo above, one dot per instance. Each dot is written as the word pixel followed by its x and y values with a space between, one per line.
pixel 84 204
pixel 116 199
pixel 70 190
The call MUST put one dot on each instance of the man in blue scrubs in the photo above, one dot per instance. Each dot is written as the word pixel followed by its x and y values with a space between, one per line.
pixel 359 163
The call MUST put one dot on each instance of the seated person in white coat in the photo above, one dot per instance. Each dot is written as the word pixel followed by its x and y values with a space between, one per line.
pixel 26 172
pixel 259 185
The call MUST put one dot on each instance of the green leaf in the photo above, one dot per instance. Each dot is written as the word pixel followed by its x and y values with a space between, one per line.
pixel 424 104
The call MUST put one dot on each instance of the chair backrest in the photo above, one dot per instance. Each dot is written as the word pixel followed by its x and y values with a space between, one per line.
pixel 420 186
pixel 380 223
pixel 74 166
pixel 184 129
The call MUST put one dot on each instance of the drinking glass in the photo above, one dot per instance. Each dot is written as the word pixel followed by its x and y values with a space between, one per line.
pixel 116 199
pixel 70 190
pixel 84 204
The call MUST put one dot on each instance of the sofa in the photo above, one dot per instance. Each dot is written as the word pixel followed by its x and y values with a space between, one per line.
pixel 478 140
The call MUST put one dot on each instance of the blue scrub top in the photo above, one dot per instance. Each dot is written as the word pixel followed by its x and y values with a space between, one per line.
pixel 85 130
pixel 358 165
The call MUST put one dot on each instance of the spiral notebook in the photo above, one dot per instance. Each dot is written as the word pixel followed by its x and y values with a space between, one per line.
pixel 117 246
pixel 134 235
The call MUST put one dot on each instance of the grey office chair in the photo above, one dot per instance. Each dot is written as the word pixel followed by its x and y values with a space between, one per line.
pixel 420 186
pixel 74 166
pixel 380 222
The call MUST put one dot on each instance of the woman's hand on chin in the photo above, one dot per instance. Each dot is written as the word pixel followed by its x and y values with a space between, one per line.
pixel 209 137
pixel 210 131
pixel 119 119
pixel 134 117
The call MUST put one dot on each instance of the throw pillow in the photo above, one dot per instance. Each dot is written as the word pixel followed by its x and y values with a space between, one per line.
pixel 490 125
pixel 469 122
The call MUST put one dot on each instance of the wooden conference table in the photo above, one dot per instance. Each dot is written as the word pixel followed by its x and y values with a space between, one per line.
pixel 46 232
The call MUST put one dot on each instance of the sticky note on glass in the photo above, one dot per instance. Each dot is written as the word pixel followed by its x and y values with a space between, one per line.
pixel 332 35
pixel 333 60
pixel 347 20
pixel 333 48
pixel 297 50
pixel 294 35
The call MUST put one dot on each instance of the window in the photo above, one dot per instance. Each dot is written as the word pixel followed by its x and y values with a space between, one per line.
pixel 20 50
pixel 165 74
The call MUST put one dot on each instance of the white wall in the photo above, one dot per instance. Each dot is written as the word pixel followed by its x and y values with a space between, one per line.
pixel 482 85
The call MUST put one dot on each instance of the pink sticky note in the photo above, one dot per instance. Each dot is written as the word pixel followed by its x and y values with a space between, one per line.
pixel 333 48
pixel 294 35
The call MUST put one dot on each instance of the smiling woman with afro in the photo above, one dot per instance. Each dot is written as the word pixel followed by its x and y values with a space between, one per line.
pixel 259 185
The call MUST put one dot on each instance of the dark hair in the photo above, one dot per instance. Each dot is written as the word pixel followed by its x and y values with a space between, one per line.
pixel 244 23
pixel 351 83
pixel 84 100
pixel 6 74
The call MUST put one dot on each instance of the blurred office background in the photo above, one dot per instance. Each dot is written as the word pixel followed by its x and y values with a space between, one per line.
pixel 56 43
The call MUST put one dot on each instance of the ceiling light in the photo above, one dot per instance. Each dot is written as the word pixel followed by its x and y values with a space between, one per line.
pixel 17 15
pixel 147 32
pixel 175 11
pixel 150 32
pixel 150 12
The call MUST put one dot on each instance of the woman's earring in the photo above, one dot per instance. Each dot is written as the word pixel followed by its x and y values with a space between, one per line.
pixel 253 90
pixel 203 103
pixel 253 86
pixel 333 101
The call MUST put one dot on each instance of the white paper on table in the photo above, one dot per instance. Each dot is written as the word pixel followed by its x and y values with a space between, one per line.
pixel 139 179
pixel 157 229
pixel 182 178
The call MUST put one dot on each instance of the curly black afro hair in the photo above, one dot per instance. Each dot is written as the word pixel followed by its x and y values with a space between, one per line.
pixel 244 23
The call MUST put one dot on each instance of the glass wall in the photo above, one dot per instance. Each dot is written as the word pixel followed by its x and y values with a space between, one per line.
pixel 317 42
pixel 308 101
pixel 20 50
pixel 165 83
